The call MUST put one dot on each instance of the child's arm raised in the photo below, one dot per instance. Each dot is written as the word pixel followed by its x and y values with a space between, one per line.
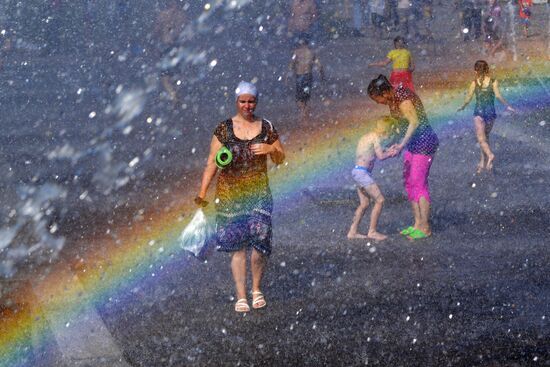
pixel 380 63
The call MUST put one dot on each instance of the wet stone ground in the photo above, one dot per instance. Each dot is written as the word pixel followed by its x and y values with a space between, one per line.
pixel 475 294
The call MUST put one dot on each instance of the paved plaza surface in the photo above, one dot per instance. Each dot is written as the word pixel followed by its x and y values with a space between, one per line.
pixel 477 293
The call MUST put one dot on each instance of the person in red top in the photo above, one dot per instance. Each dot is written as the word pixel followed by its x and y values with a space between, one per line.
pixel 525 14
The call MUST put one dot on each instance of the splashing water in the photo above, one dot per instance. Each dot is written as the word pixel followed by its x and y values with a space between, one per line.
pixel 512 12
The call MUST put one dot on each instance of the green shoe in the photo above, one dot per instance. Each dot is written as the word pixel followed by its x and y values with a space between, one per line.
pixel 407 231
pixel 417 234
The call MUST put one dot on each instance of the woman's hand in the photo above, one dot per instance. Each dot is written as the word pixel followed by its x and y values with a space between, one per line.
pixel 510 108
pixel 396 149
pixel 261 149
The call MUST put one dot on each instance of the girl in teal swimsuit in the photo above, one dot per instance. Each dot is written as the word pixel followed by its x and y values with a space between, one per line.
pixel 485 89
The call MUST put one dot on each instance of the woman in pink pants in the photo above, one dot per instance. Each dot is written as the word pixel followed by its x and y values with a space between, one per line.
pixel 420 144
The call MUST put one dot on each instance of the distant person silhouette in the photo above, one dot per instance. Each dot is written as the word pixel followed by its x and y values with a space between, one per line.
pixel 169 24
pixel 485 89
pixel 303 60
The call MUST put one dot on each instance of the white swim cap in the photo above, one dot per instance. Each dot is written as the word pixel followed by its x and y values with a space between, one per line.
pixel 246 88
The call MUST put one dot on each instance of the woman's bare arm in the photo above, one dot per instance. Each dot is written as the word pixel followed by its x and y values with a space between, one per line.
pixel 278 154
pixel 409 112
pixel 275 151
pixel 210 169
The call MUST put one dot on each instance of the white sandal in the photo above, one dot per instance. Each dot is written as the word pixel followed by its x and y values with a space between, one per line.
pixel 258 300
pixel 242 305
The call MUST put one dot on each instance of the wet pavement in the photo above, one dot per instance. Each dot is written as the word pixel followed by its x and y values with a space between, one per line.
pixel 475 294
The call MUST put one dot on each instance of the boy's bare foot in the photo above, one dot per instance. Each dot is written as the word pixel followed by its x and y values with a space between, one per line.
pixel 490 160
pixel 377 236
pixel 480 167
pixel 356 236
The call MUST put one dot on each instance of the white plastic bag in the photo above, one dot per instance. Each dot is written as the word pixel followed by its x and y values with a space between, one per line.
pixel 197 235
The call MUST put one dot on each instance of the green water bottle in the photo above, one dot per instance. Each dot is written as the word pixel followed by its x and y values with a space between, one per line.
pixel 223 157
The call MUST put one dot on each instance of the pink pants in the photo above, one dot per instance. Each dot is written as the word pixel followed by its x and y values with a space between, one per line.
pixel 416 168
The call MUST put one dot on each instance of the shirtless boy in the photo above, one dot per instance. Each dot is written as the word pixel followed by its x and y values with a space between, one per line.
pixel 368 150
pixel 302 63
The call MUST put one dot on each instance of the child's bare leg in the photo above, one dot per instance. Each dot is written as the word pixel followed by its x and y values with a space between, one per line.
pixel 481 136
pixel 359 212
pixel 169 88
pixel 304 111
pixel 487 47
pixel 488 127
pixel 375 193
pixel 496 47
pixel 307 112
pixel 481 164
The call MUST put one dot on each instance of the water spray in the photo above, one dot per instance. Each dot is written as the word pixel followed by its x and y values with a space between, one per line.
pixel 512 12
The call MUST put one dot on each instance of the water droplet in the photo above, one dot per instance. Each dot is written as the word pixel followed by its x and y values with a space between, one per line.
pixel 133 162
